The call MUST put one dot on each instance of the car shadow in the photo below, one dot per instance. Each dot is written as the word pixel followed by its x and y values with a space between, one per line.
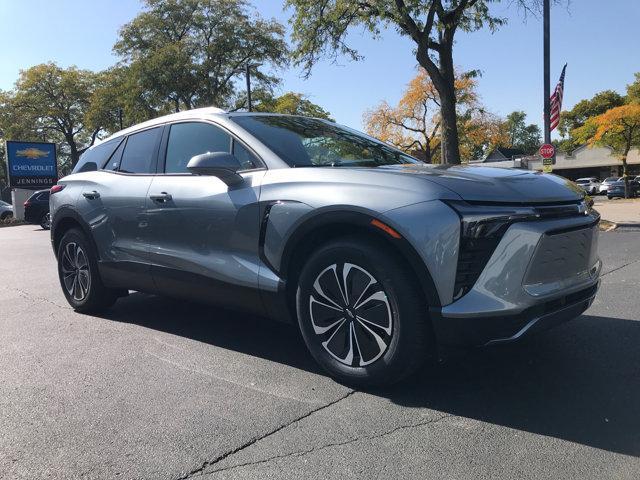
pixel 579 382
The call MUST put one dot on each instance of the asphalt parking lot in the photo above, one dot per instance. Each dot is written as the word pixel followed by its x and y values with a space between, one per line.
pixel 162 389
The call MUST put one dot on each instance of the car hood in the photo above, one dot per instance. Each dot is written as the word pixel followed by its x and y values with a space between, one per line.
pixel 489 184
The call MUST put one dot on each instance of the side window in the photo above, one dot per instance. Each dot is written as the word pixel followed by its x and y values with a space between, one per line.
pixel 140 151
pixel 114 161
pixel 95 157
pixel 189 139
pixel 244 156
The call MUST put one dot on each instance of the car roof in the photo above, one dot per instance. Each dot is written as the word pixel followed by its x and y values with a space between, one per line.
pixel 195 113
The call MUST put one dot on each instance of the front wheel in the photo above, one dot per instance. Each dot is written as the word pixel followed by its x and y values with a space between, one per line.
pixel 79 276
pixel 361 313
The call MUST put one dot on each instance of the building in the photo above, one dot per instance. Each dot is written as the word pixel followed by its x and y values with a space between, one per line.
pixel 584 161
pixel 501 154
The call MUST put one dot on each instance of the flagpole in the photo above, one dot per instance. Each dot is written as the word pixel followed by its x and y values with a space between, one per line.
pixel 547 73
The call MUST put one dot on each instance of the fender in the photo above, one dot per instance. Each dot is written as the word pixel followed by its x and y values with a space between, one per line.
pixel 62 214
pixel 306 224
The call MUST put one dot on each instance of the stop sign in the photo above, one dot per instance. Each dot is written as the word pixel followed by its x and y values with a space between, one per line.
pixel 547 150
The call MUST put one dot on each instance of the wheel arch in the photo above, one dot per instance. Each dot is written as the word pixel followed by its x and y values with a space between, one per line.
pixel 65 219
pixel 321 228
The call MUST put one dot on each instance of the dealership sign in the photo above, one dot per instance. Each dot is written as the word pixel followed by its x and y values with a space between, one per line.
pixel 32 164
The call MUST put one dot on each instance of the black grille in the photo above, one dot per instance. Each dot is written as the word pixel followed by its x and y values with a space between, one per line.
pixel 472 258
pixel 479 239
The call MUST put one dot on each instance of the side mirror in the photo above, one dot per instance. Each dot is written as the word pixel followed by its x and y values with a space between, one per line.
pixel 218 164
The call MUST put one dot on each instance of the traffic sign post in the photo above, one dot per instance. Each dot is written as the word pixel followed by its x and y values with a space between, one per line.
pixel 547 152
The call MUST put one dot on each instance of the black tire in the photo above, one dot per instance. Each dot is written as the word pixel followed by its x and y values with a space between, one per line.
pixel 45 221
pixel 86 294
pixel 6 216
pixel 406 335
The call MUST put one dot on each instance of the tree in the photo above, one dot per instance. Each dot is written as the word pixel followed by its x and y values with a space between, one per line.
pixel 633 90
pixel 480 132
pixel 414 124
pixel 51 103
pixel 190 52
pixel 575 118
pixel 520 135
pixel 618 128
pixel 320 28
pixel 291 104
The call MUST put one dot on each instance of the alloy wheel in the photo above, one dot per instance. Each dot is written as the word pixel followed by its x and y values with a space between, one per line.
pixel 75 271
pixel 350 312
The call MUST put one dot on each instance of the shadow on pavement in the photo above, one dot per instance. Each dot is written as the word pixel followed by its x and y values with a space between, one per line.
pixel 579 382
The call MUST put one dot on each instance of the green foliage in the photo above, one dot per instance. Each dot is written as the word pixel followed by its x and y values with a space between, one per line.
pixel 525 137
pixel 51 103
pixel 292 104
pixel 572 120
pixel 189 53
pixel 633 90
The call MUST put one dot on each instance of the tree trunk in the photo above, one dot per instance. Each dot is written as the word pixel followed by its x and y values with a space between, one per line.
pixel 624 173
pixel 443 78
pixel 74 154
pixel 449 130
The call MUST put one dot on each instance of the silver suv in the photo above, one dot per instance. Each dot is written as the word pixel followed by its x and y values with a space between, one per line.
pixel 376 256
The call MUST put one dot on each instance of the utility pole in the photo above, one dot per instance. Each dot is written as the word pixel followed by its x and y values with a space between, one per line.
pixel 547 77
pixel 120 117
pixel 248 75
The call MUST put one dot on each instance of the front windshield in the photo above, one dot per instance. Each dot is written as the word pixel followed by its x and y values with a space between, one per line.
pixel 309 142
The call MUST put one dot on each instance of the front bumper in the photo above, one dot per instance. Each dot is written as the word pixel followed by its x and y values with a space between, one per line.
pixel 541 274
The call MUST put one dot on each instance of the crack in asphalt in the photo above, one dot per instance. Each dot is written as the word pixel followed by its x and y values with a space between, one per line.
pixel 619 268
pixel 201 469
pixel 28 296
pixel 301 453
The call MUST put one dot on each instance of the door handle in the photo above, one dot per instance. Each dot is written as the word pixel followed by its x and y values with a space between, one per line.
pixel 161 197
pixel 91 195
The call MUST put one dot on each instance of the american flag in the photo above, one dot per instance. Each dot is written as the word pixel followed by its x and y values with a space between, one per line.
pixel 556 101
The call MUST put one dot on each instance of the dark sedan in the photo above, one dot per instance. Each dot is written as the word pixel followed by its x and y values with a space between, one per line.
pixel 617 189
pixel 36 209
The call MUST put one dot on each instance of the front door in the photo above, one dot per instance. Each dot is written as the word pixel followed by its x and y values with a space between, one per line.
pixel 204 233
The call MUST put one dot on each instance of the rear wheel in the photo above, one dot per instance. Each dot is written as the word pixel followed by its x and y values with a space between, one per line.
pixel 45 221
pixel 78 274
pixel 361 314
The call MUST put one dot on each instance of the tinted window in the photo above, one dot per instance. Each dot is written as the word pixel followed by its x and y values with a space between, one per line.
pixel 140 151
pixel 187 140
pixel 244 156
pixel 114 161
pixel 308 142
pixel 40 197
pixel 96 156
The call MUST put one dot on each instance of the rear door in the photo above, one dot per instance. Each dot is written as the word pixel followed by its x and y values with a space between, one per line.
pixel 204 233
pixel 114 201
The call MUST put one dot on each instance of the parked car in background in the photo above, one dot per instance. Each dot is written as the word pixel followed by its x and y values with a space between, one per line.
pixel 36 209
pixel 6 210
pixel 374 255
pixel 616 190
pixel 604 186
pixel 591 185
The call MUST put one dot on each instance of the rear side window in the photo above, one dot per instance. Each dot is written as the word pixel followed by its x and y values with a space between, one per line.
pixel 96 156
pixel 114 161
pixel 187 140
pixel 140 151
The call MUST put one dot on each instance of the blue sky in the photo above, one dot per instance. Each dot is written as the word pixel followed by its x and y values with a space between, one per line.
pixel 599 44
